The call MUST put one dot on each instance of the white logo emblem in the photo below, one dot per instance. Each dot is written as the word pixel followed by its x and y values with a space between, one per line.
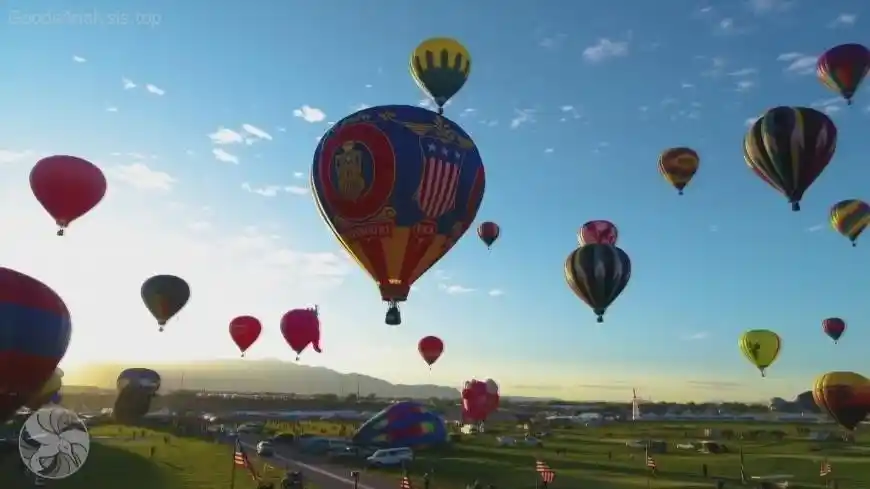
pixel 54 443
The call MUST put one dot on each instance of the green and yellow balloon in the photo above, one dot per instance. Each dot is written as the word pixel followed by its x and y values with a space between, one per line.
pixel 440 66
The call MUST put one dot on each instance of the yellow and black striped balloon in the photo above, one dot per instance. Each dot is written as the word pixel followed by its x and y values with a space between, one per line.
pixel 598 273
pixel 850 218
pixel 440 66
pixel 789 147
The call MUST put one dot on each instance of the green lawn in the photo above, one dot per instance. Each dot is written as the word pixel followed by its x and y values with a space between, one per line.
pixel 587 464
pixel 122 462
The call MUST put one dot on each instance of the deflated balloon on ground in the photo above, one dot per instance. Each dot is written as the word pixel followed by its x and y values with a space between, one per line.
pixel 404 424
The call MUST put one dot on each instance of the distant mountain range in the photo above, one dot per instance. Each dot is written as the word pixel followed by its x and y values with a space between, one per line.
pixel 258 376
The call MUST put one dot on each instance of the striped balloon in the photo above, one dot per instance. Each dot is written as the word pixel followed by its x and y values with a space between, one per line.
pixel 789 147
pixel 850 218
pixel 598 273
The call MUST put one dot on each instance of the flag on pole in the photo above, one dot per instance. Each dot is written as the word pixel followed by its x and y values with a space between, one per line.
pixel 742 467
pixel 650 462
pixel 240 458
pixel 825 469
pixel 405 482
pixel 547 474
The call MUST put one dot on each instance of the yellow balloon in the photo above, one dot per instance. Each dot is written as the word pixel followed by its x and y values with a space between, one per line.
pixel 761 347
pixel 440 66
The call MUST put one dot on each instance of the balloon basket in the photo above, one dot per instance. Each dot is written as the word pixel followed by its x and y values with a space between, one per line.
pixel 243 354
pixel 160 329
pixel 297 358
pixel 60 232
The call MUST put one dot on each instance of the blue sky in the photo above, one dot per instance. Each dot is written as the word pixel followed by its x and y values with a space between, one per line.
pixel 569 106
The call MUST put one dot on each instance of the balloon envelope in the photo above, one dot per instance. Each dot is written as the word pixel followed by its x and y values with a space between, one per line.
pixel 67 187
pixel 35 330
pixel 49 389
pixel 761 347
pixel 398 186
pixel 843 68
pixel 834 327
pixel 404 424
pixel 597 274
pixel 440 66
pixel 141 378
pixel 164 296
pixel 678 166
pixel 850 218
pixel 597 232
pixel 244 330
pixel 845 396
pixel 488 232
pixel 430 348
pixel 300 328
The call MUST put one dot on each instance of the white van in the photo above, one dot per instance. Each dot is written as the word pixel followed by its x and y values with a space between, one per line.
pixel 387 457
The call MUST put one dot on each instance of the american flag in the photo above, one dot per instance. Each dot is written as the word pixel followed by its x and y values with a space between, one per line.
pixel 547 474
pixel 650 462
pixel 436 194
pixel 240 458
pixel 405 482
pixel 825 469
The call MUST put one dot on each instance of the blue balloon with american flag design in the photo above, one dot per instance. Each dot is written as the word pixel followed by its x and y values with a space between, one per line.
pixel 404 424
pixel 398 186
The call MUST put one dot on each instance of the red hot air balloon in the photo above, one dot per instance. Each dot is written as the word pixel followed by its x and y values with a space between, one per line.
pixel 430 348
pixel 245 330
pixel 597 232
pixel 493 398
pixel 300 328
pixel 474 401
pixel 35 329
pixel 488 232
pixel 67 187
pixel 834 327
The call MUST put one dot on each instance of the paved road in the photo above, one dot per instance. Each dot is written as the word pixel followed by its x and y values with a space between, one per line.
pixel 321 474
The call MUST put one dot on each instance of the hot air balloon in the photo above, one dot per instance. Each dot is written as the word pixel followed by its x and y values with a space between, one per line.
pixel 35 329
pixel 598 273
pixel 474 401
pixel 403 424
pixel 834 327
pixel 440 66
pixel 850 217
pixel 761 347
pixel 48 391
pixel 597 232
pixel 300 328
pixel 137 387
pixel 164 296
pixel 67 187
pixel 244 330
pixel 398 186
pixel 845 396
pixel 493 396
pixel 488 233
pixel 842 69
pixel 430 348
pixel 789 147
pixel 678 166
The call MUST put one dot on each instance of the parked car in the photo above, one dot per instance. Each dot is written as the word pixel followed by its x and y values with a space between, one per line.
pixel 390 457
pixel 283 439
pixel 265 449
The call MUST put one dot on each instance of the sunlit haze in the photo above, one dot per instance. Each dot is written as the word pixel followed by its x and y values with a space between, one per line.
pixel 205 119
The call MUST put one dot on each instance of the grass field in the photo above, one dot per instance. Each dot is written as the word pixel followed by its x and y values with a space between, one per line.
pixel 596 458
pixel 117 460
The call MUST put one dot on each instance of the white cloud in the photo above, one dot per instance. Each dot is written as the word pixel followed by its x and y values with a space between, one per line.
pixel 761 7
pixel 701 335
pixel 127 84
pixel 844 20
pixel 225 157
pixel 108 253
pixel 138 175
pixel 225 136
pixel 427 103
pixel 298 174
pixel 273 190
pixel 12 156
pixel 256 132
pixel 816 228
pixel 799 63
pixel 455 289
pixel 552 42
pixel 523 116
pixel 745 85
pixel 829 105
pixel 743 72
pixel 155 89
pixel 111 109
pixel 605 48
pixel 548 150
pixel 496 292
pixel 309 114
pixel 79 59
pixel 726 24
